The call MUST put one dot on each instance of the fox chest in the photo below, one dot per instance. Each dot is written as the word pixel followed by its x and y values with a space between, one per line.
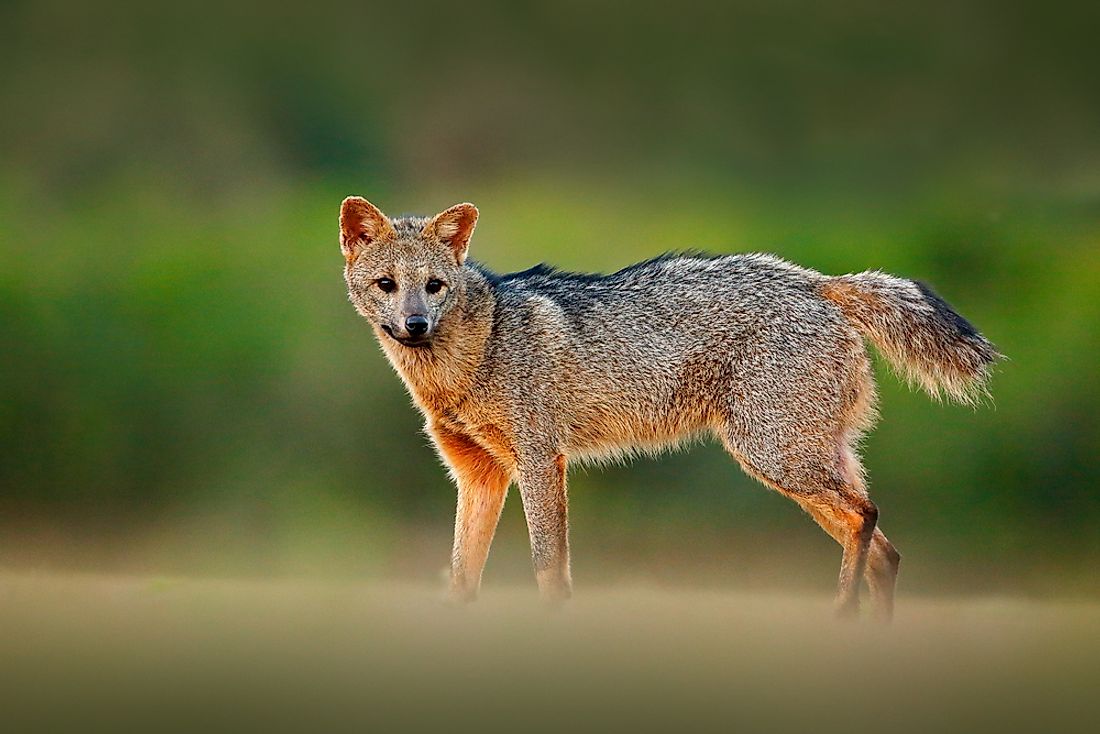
pixel 481 428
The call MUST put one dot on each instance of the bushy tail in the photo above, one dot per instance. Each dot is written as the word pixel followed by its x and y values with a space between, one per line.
pixel 924 339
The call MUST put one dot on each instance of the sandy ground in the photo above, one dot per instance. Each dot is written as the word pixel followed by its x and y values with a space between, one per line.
pixel 199 654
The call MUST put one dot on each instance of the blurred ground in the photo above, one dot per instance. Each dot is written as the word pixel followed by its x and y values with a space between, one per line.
pixel 161 652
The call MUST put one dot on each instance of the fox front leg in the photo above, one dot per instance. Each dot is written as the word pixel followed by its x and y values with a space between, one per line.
pixel 482 486
pixel 542 488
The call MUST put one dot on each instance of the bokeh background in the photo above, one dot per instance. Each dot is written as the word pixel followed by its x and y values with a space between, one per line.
pixel 185 390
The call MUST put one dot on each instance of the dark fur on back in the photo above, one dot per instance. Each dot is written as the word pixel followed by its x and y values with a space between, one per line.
pixel 546 273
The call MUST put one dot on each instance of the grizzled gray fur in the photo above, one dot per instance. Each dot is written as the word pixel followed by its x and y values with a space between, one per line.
pixel 518 375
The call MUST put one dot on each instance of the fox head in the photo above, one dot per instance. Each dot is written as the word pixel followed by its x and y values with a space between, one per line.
pixel 404 274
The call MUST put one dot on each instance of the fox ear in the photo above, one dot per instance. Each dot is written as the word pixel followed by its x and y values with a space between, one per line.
pixel 361 223
pixel 454 227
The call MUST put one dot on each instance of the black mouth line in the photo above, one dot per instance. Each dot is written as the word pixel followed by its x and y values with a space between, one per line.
pixel 411 343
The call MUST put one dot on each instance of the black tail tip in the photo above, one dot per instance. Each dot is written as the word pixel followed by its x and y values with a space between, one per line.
pixel 945 313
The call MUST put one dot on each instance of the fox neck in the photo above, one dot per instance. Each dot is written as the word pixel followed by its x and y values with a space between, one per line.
pixel 441 375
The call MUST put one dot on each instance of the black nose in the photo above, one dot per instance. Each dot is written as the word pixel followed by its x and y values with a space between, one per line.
pixel 416 325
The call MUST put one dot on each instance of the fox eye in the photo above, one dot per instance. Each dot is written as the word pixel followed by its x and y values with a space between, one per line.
pixel 386 285
pixel 434 285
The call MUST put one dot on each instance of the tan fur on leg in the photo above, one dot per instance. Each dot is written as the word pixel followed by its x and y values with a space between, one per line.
pixel 482 486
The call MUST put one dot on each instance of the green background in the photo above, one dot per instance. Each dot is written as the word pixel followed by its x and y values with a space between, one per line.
pixel 184 388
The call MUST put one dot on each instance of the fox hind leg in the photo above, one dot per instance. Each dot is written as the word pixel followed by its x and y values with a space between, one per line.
pixel 881 571
pixel 849 517
pixel 882 574
pixel 819 476
pixel 883 559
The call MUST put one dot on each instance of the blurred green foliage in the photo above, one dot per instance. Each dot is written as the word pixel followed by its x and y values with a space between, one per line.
pixel 180 362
